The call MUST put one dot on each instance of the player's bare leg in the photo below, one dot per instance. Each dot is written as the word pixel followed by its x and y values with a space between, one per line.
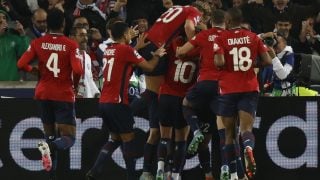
pixel 246 124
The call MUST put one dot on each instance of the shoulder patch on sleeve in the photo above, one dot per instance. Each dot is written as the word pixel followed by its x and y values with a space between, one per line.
pixel 216 47
pixel 78 54
pixel 137 54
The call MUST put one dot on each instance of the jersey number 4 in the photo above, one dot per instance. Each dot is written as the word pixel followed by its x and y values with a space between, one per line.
pixel 241 58
pixel 52 64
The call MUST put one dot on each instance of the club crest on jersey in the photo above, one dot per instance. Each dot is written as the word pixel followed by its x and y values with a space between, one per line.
pixel 215 47
pixel 137 54
pixel 29 48
pixel 212 37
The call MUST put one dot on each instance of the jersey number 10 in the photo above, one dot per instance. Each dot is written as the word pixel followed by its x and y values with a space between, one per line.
pixel 180 71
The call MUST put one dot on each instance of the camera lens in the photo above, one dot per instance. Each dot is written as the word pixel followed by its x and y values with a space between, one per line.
pixel 269 41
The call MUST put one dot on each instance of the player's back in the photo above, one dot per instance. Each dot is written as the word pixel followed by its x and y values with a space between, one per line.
pixel 117 70
pixel 204 40
pixel 241 49
pixel 182 72
pixel 55 53
pixel 171 23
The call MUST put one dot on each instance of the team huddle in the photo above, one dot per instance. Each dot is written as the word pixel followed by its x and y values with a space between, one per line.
pixel 196 79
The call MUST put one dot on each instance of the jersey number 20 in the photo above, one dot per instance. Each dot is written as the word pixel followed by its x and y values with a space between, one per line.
pixel 170 14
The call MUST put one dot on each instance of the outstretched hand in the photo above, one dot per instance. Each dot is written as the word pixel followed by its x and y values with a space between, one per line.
pixel 134 32
pixel 141 41
pixel 160 52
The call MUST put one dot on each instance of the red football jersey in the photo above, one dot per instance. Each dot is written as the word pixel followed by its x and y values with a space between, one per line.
pixel 204 40
pixel 171 24
pixel 58 57
pixel 240 48
pixel 118 60
pixel 182 73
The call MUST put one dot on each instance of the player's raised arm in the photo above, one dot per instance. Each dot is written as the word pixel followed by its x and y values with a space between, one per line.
pixel 269 57
pixel 190 28
pixel 277 66
pixel 180 51
pixel 23 62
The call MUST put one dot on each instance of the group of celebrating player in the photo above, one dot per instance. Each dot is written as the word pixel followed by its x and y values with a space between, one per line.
pixel 193 80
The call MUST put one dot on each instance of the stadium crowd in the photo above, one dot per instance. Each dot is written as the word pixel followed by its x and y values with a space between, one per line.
pixel 297 20
pixel 198 66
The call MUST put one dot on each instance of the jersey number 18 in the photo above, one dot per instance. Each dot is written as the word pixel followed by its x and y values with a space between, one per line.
pixel 241 58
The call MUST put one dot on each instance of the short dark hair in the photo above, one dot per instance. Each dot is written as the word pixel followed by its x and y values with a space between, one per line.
pixel 55 19
pixel 236 15
pixel 79 17
pixel 112 21
pixel 284 17
pixel 75 29
pixel 218 16
pixel 118 29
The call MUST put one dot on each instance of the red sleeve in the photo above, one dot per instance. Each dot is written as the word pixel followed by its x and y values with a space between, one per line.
pixel 197 39
pixel 194 15
pixel 27 56
pixel 262 48
pixel 76 80
pixel 133 56
pixel 218 46
pixel 75 58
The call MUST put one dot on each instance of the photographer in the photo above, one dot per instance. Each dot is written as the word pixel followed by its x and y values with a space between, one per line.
pixel 281 83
